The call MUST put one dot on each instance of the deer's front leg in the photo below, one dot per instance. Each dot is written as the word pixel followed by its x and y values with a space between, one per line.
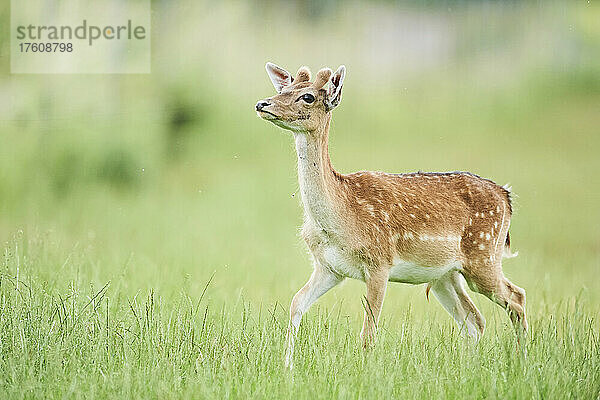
pixel 319 283
pixel 376 285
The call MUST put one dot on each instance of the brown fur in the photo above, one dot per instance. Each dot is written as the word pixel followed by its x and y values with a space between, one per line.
pixel 376 218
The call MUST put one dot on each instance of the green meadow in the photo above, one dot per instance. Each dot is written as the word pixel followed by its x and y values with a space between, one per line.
pixel 149 224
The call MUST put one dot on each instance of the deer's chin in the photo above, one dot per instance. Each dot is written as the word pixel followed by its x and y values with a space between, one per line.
pixel 287 125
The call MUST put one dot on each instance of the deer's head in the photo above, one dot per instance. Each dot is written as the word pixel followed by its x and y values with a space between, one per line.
pixel 301 105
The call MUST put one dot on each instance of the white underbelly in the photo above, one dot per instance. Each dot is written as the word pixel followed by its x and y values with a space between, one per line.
pixel 407 272
pixel 342 264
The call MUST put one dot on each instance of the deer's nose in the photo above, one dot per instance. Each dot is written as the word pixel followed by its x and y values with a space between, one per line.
pixel 262 104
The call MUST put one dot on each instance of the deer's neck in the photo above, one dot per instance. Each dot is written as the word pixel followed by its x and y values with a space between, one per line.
pixel 319 183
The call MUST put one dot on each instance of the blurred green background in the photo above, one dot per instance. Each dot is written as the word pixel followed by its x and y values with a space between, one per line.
pixel 156 181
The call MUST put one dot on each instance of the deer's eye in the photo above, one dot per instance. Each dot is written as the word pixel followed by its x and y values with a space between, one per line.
pixel 308 98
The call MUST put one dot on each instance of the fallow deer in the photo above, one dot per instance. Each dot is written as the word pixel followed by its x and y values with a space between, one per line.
pixel 441 229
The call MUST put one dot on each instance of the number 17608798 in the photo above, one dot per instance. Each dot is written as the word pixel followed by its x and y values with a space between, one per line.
pixel 49 47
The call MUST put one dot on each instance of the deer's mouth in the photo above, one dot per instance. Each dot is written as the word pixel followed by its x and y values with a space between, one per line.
pixel 267 115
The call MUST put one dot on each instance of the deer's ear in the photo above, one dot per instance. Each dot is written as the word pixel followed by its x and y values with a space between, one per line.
pixel 334 93
pixel 279 76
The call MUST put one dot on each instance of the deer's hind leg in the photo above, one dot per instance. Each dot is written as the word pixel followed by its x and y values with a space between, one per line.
pixel 489 280
pixel 450 292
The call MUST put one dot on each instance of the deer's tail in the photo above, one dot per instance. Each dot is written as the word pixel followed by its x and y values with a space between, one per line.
pixel 507 253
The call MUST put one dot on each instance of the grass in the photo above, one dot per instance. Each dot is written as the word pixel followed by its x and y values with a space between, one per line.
pixel 78 340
